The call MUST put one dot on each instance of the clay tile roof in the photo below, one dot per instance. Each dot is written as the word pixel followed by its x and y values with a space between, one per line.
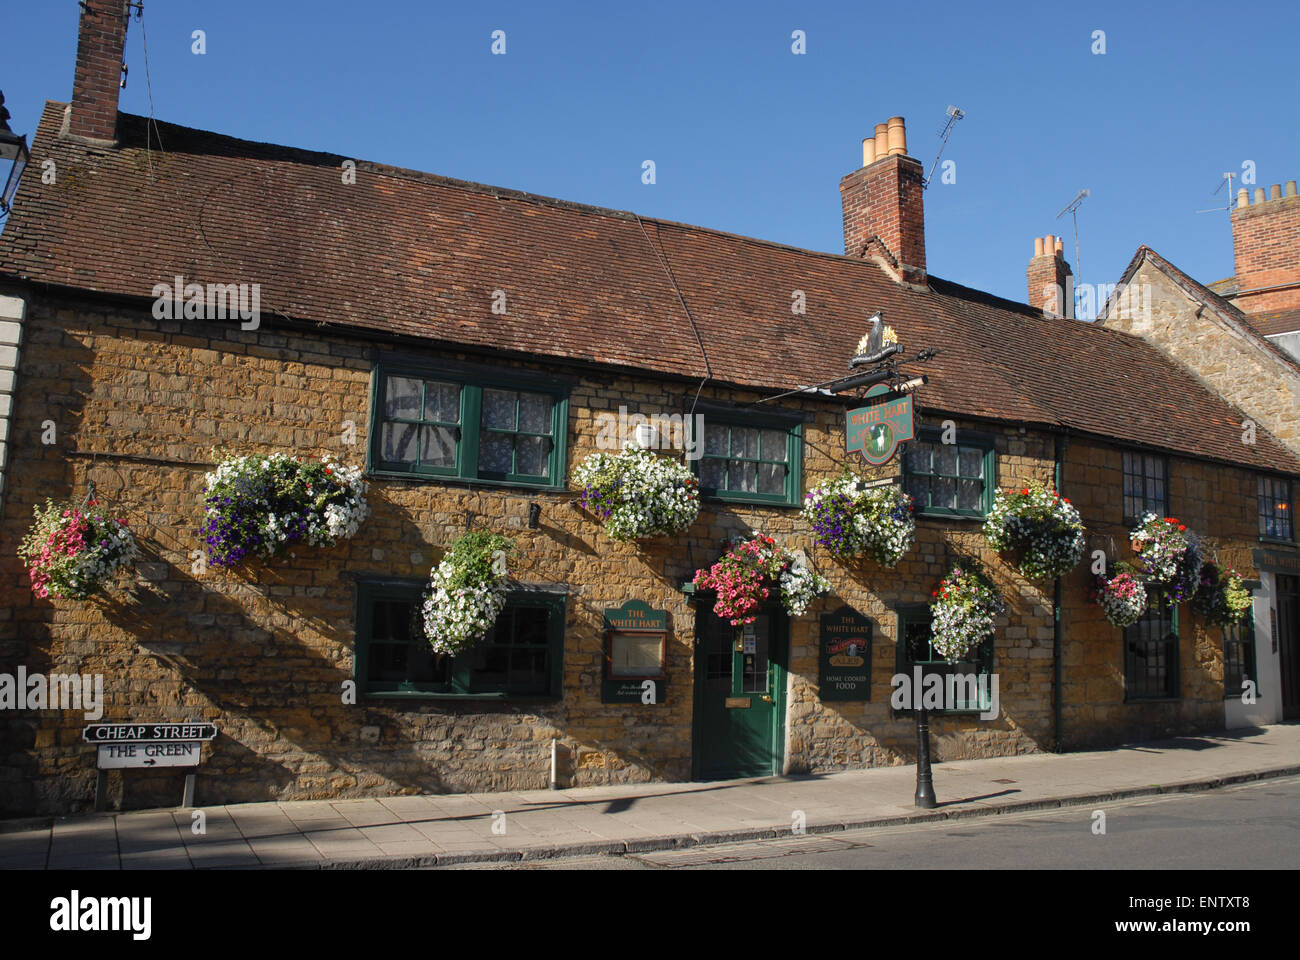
pixel 402 252
pixel 1281 321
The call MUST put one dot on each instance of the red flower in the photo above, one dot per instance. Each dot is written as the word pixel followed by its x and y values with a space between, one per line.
pixel 1181 528
pixel 1024 492
pixel 934 593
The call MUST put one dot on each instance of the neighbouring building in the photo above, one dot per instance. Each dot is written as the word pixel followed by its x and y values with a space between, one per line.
pixel 521 322
pixel 1241 338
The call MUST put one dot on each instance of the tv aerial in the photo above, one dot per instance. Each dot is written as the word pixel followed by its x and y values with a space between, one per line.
pixel 1227 178
pixel 954 114
pixel 1072 208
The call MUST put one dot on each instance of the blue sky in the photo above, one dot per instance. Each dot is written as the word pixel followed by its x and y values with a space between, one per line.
pixel 747 136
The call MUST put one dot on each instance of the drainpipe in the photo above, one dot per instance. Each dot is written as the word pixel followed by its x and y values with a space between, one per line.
pixel 1058 452
pixel 555 749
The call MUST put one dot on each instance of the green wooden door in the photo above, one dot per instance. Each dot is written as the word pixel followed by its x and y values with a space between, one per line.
pixel 739 727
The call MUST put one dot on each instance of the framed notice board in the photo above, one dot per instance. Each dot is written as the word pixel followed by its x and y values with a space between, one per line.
pixel 844 656
pixel 636 654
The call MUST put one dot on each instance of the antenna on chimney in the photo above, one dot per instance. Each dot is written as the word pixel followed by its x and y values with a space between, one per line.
pixel 954 115
pixel 1227 178
pixel 1072 208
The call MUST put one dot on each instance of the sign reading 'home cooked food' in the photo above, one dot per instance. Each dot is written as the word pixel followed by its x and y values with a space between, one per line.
pixel 844 661
pixel 877 429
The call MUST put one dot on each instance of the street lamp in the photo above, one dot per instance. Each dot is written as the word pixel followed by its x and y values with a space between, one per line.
pixel 14 149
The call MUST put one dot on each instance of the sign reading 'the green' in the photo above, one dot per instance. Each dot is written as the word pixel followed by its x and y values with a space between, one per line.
pixel 844 661
pixel 877 429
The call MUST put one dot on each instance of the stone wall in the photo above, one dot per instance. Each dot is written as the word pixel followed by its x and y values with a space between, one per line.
pixel 264 650
pixel 1232 364
pixel 1219 503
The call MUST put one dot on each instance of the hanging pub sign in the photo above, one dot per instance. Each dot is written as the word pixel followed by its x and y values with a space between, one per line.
pixel 844 661
pixel 636 654
pixel 877 429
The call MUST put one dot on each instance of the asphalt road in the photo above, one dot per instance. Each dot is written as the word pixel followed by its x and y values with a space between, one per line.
pixel 1252 826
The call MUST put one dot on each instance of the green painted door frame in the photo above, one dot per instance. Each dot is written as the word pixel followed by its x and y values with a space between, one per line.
pixel 738 727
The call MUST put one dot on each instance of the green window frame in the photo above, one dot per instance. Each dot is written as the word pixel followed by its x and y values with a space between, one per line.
pixel 951 479
pixel 748 458
pixel 460 423
pixel 1151 657
pixel 520 658
pixel 913 649
pixel 1146 486
pixel 1239 656
pixel 1276 509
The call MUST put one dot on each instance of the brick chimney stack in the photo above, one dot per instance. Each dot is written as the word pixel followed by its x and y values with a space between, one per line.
pixel 1048 275
pixel 884 213
pixel 1266 249
pixel 101 38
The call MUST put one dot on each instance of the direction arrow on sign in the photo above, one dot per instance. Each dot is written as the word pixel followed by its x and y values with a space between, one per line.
pixel 120 756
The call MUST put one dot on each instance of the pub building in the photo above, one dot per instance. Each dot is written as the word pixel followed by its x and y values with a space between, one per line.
pixel 465 345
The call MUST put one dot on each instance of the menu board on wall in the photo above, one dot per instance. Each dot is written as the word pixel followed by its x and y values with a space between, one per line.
pixel 844 657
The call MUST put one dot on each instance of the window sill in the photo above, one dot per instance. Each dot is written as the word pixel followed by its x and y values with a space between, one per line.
pixel 1279 542
pixel 424 478
pixel 748 501
pixel 934 515
pixel 421 695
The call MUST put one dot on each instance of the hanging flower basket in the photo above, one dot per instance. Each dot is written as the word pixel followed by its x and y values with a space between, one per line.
pixel 1221 596
pixel 637 494
pixel 851 520
pixel 1040 527
pixel 748 573
pixel 1122 597
pixel 264 505
pixel 467 591
pixel 1170 559
pixel 963 611
pixel 71 552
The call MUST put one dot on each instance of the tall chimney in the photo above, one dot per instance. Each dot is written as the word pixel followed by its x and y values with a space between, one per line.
pixel 1266 249
pixel 97 80
pixel 1048 275
pixel 884 214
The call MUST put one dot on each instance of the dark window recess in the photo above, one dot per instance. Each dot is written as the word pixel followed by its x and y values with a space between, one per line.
pixel 520 656
pixel 1239 656
pixel 1275 510
pixel 1151 657
pixel 1146 486
pixel 915 650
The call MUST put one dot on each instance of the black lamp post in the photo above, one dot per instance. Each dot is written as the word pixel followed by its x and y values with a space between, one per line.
pixel 925 797
pixel 14 149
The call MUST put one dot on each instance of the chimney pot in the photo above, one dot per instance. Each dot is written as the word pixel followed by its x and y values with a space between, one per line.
pixel 1047 277
pixel 1243 197
pixel 1290 188
pixel 1275 192
pixel 883 205
pixel 1259 194
pixel 897 137
pixel 1060 247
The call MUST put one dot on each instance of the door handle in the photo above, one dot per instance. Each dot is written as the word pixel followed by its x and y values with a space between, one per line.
pixel 766 698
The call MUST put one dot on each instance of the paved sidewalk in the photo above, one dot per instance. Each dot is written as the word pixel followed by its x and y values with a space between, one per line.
pixel 397 832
